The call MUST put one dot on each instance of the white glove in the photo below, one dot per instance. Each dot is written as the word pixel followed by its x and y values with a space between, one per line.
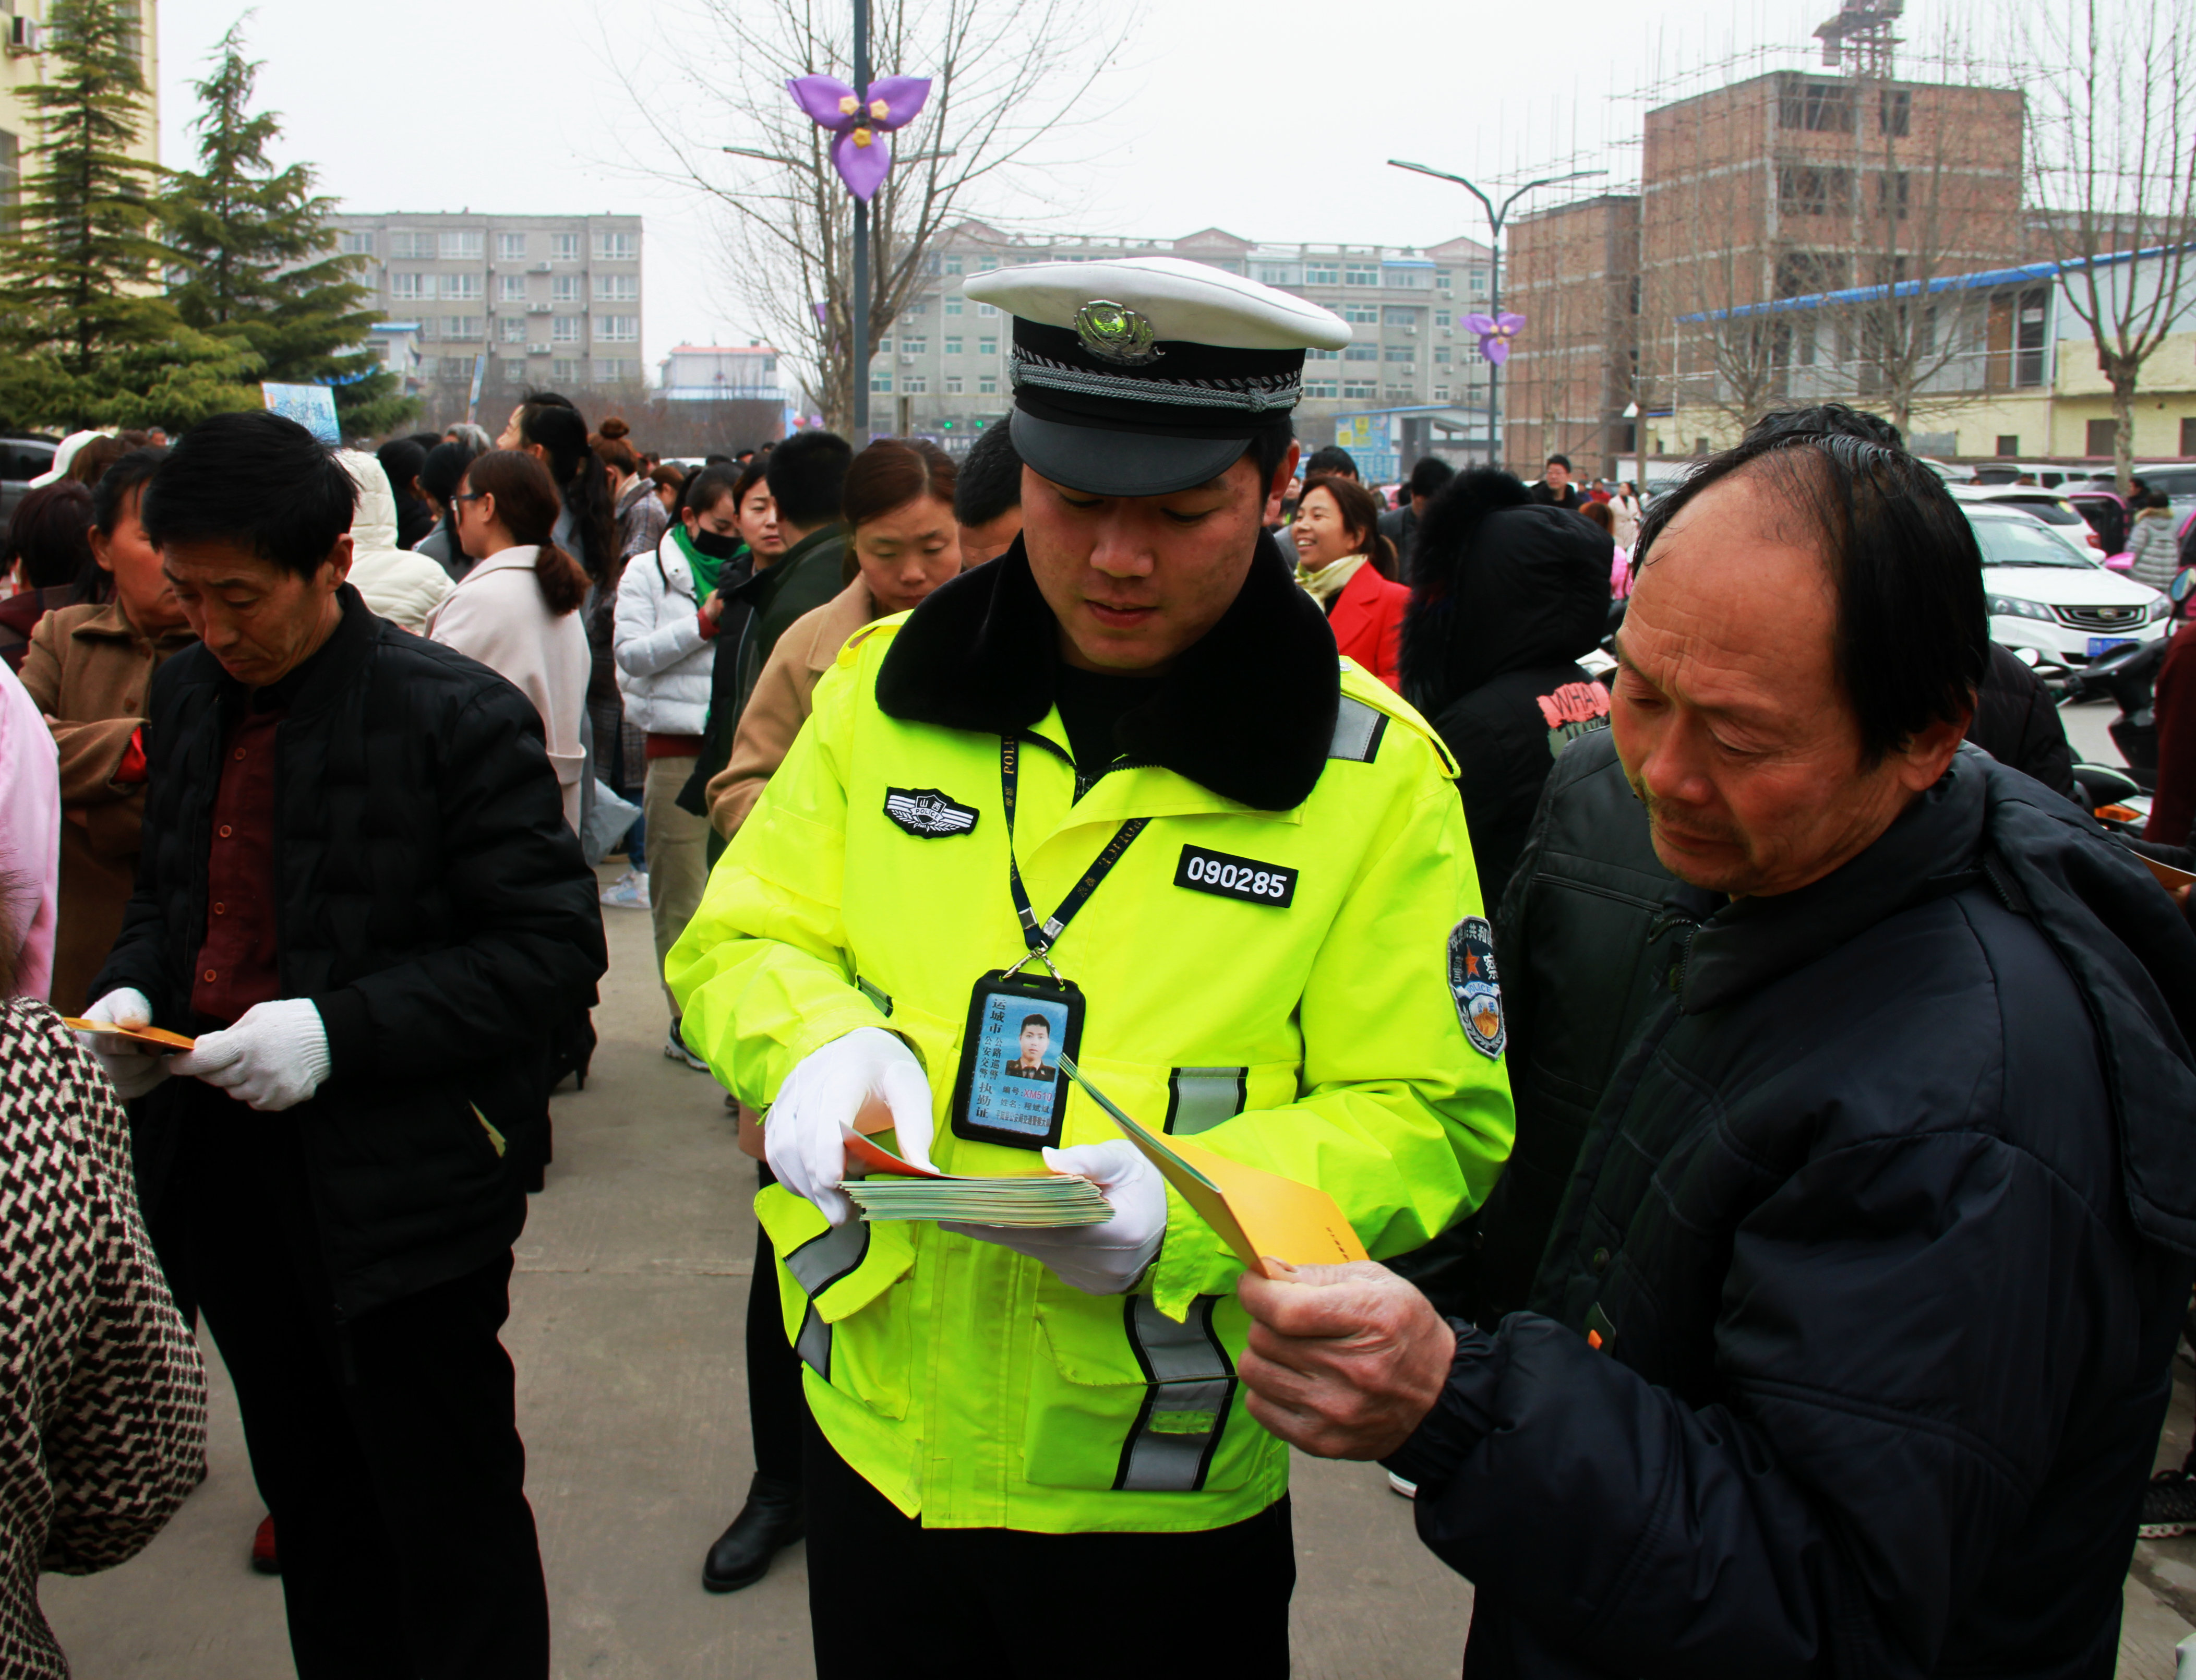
pixel 273 1059
pixel 132 1069
pixel 1096 1259
pixel 804 1135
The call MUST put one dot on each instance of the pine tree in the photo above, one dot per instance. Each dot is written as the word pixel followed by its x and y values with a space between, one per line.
pixel 254 259
pixel 90 339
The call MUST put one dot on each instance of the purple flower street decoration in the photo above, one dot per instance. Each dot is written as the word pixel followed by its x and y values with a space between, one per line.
pixel 1495 332
pixel 861 154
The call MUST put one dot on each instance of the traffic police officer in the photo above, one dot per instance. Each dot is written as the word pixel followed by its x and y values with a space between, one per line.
pixel 1120 779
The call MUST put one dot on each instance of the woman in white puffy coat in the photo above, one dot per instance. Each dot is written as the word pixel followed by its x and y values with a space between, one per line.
pixel 402 586
pixel 664 644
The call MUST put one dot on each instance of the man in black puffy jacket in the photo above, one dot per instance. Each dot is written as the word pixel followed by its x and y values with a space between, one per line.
pixel 359 893
pixel 1849 1350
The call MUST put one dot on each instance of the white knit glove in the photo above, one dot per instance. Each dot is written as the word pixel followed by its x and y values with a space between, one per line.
pixel 804 1135
pixel 132 1069
pixel 1097 1259
pixel 273 1059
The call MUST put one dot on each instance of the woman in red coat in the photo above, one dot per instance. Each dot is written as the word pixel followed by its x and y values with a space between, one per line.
pixel 1337 537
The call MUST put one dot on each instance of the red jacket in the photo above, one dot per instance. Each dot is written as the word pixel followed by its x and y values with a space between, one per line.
pixel 1368 621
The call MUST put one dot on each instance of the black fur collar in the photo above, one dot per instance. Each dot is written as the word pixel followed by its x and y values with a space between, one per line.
pixel 1248 712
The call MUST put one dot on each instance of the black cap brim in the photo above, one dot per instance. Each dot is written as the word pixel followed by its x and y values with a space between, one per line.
pixel 1102 463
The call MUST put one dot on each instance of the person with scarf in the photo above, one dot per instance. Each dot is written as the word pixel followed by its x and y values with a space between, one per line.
pixel 1337 536
pixel 670 612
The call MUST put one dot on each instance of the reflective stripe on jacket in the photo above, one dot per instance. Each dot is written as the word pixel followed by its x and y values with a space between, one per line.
pixel 1319 1038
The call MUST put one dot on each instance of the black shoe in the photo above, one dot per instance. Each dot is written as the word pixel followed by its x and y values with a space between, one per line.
pixel 2169 1505
pixel 769 1522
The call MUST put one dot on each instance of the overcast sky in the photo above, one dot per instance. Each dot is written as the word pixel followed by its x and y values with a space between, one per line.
pixel 1272 118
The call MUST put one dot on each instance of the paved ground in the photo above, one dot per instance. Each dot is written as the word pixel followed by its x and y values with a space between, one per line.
pixel 625 1326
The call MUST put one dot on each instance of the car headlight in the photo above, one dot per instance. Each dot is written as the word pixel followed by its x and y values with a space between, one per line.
pixel 2161 607
pixel 2012 606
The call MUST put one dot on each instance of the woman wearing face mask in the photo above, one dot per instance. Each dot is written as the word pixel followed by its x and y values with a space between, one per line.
pixel 670 614
pixel 903 542
pixel 90 668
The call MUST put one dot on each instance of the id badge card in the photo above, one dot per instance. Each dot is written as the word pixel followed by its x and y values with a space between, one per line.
pixel 1010 1089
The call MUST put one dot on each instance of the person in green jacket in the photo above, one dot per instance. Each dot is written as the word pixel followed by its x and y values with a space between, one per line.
pixel 1120 780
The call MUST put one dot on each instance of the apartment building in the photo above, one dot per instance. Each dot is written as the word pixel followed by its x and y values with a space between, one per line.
pixel 23 61
pixel 1573 272
pixel 1411 384
pixel 553 301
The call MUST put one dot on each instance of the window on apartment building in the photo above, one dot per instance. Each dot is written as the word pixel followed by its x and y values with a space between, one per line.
pixel 1322 355
pixel 1402 393
pixel 1363 313
pixel 914 346
pixel 1327 272
pixel 463 246
pixel 410 287
pixel 616 247
pixel 2009 443
pixel 1442 278
pixel 1817 107
pixel 2188 435
pixel 510 288
pixel 987 346
pixel 404 242
pixel 1361 274
pixel 1359 387
pixel 916 384
pixel 1441 355
pixel 617 329
pixel 1479 282
pixel 1408 280
pixel 917 307
pixel 884 347
pixel 985 309
pixel 567 369
pixel 514 370
pixel 953 347
pixel 350 244
pixel 1813 189
pixel 563 247
pixel 953 303
pixel 565 330
pixel 985 265
pixel 987 385
pixel 1277 273
pixel 565 288
pixel 952 384
pixel 468 287
pixel 1440 317
pixel 1441 393
pixel 514 329
pixel 1894 111
pixel 427 368
pixel 1400 317
pixel 1400 353
pixel 1892 191
pixel 1361 352
pixel 879 382
pixel 2099 440
pixel 617 368
pixel 1801 273
pixel 511 247
pixel 617 288
pixel 462 328
pixel 2029 319
pixel 953 261
pixel 1321 388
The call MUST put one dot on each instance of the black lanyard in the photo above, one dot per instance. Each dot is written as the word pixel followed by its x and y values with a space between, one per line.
pixel 1041 936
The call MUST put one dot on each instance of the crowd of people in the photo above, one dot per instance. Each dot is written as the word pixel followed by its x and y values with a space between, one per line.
pixel 1748 1077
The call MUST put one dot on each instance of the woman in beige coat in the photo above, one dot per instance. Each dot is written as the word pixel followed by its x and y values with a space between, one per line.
pixel 902 543
pixel 517 611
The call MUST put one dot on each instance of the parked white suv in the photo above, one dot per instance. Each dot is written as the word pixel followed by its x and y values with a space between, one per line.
pixel 2050 593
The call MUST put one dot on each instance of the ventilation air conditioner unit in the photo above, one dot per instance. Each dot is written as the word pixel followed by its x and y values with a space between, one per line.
pixel 539 267
pixel 1411 331
pixel 538 309
pixel 537 350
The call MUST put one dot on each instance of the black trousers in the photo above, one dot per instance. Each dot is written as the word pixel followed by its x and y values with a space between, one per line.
pixel 999 1604
pixel 386 1446
pixel 776 1409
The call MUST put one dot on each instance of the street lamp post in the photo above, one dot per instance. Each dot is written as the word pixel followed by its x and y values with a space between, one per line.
pixel 1494 220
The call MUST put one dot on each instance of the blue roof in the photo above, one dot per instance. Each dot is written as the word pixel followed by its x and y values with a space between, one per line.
pixel 1985 280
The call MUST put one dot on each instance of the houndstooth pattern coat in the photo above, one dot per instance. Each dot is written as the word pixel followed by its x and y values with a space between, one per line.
pixel 102 1394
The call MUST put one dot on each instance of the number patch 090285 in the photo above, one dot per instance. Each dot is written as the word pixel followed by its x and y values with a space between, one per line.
pixel 1231 877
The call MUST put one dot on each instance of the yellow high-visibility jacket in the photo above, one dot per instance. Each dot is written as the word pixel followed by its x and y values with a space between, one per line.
pixel 1327 1038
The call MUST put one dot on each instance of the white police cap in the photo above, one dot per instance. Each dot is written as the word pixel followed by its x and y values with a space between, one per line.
pixel 1147 375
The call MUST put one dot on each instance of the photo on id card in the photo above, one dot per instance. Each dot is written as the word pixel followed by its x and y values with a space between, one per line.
pixel 1009 1089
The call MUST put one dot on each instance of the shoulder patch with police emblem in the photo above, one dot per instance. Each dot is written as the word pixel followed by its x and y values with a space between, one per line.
pixel 929 813
pixel 1476 987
